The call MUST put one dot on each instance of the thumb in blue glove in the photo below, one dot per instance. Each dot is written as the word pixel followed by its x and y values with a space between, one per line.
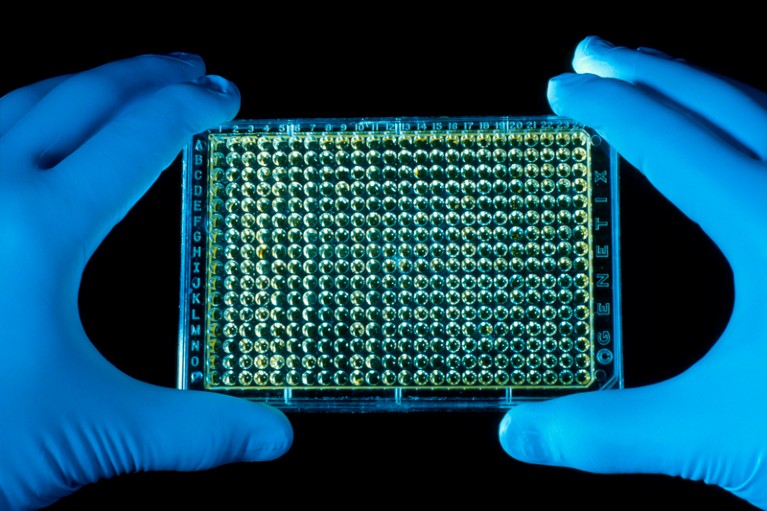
pixel 700 140
pixel 76 152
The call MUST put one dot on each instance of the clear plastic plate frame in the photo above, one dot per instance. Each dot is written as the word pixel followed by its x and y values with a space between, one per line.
pixel 400 263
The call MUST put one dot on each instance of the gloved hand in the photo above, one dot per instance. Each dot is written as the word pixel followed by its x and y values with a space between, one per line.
pixel 701 140
pixel 76 152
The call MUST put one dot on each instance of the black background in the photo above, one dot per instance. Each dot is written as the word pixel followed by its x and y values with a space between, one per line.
pixel 388 60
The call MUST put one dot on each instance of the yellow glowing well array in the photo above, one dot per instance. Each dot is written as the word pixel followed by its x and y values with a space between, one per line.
pixel 413 259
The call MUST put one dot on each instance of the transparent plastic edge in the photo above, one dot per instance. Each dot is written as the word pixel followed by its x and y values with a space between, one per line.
pixel 617 288
pixel 396 398
pixel 182 376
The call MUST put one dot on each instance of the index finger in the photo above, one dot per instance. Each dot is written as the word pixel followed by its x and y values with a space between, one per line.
pixel 738 111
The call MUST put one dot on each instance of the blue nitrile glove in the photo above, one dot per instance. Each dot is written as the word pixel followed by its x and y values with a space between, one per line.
pixel 702 141
pixel 76 152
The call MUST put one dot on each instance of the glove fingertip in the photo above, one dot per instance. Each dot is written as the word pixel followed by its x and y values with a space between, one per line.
pixel 218 84
pixel 523 440
pixel 272 435
pixel 560 87
pixel 589 56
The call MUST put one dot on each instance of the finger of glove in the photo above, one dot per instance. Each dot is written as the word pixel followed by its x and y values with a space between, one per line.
pixel 698 171
pixel 192 430
pixel 81 105
pixel 667 428
pixel 107 175
pixel 127 426
pixel 16 104
pixel 739 112
pixel 624 431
